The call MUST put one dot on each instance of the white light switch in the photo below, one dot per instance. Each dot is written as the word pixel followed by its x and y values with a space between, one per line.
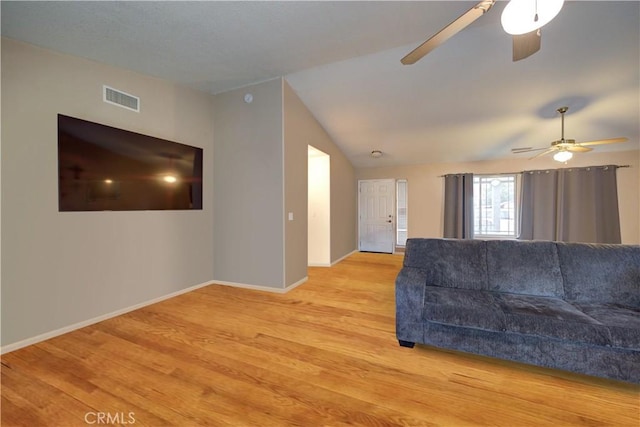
pixel 290 216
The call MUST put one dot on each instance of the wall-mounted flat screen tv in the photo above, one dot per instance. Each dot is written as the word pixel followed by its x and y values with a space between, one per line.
pixel 102 168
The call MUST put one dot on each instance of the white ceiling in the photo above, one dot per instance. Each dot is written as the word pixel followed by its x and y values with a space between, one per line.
pixel 464 101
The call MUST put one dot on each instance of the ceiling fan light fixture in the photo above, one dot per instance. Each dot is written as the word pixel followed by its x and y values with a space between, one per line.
pixel 562 156
pixel 524 16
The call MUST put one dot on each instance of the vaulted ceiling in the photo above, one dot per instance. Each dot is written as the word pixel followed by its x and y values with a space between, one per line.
pixel 464 101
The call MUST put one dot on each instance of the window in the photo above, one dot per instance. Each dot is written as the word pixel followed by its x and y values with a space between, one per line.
pixel 401 212
pixel 494 206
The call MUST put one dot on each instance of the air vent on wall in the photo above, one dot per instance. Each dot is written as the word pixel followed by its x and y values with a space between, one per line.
pixel 121 99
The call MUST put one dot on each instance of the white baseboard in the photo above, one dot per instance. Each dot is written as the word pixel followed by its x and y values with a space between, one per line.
pixel 342 258
pixel 318 264
pixel 52 334
pixel 48 335
pixel 261 287
pixel 295 285
pixel 334 262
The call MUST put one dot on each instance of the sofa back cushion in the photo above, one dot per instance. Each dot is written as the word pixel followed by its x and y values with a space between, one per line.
pixel 601 273
pixel 449 262
pixel 524 267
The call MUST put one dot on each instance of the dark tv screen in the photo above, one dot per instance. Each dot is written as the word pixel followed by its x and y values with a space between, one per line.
pixel 102 168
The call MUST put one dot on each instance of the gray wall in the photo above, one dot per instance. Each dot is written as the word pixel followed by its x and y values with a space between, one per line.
pixel 260 176
pixel 302 129
pixel 296 191
pixel 62 268
pixel 248 186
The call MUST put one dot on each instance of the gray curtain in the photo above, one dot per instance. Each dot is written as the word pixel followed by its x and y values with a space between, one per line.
pixel 458 206
pixel 570 205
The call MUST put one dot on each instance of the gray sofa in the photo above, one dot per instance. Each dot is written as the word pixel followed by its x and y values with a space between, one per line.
pixel 570 306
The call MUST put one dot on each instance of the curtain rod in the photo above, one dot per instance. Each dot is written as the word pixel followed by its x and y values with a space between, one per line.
pixel 517 173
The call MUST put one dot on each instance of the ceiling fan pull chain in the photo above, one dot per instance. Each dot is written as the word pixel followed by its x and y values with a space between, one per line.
pixel 535 18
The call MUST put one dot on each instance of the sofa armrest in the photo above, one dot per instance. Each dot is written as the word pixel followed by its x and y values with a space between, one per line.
pixel 410 290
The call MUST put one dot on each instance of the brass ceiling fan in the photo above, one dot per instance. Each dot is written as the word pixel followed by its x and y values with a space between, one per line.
pixel 564 148
pixel 521 18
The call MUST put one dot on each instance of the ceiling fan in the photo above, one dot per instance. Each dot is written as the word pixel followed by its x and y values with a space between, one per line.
pixel 520 18
pixel 564 148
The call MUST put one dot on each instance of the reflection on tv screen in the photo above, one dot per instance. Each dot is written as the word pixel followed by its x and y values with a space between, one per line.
pixel 104 168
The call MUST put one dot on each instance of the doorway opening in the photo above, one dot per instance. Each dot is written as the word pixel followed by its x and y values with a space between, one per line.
pixel 319 208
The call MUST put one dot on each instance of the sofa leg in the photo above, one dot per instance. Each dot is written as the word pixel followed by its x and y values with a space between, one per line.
pixel 407 344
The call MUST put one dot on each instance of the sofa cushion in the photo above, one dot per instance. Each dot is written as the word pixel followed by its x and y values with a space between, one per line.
pixel 623 322
pixel 601 273
pixel 462 307
pixel 530 267
pixel 550 317
pixel 449 262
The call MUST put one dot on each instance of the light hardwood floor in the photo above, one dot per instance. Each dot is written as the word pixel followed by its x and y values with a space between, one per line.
pixel 323 354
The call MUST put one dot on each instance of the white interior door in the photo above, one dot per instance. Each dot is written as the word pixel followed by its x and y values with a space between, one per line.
pixel 376 218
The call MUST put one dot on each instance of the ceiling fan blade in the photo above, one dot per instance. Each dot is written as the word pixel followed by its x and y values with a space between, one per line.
pixel 605 141
pixel 550 150
pixel 578 149
pixel 525 45
pixel 447 32
pixel 527 150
